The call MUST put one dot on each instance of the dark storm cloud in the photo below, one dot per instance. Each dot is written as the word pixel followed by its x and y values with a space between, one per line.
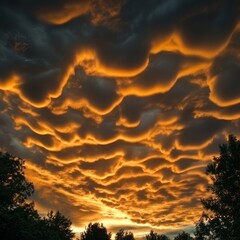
pixel 43 64
pixel 194 134
pixel 188 17
pixel 155 163
pixel 225 71
pixel 164 70
pixel 119 105
pixel 6 130
pixel 100 167
pixel 185 163
pixel 131 108
pixel 50 45
pixel 221 18
pixel 89 89
pixel 12 140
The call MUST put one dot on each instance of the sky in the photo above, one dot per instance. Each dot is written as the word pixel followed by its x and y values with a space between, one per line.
pixel 118 106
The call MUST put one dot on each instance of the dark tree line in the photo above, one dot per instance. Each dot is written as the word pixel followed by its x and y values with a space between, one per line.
pixel 18 218
pixel 220 219
pixel 96 231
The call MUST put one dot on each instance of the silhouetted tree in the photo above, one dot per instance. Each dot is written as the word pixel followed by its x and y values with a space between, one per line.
pixel 59 227
pixel 95 231
pixel 154 236
pixel 163 237
pixel 221 219
pixel 202 230
pixel 20 223
pixel 18 218
pixel 183 236
pixel 124 235
pixel 14 188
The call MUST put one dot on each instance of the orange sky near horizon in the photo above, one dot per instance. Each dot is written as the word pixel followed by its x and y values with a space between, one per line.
pixel 118 106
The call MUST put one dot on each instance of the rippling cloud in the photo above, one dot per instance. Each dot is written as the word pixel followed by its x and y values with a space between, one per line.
pixel 118 106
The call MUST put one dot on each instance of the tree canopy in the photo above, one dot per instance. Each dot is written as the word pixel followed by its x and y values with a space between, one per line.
pixel 18 218
pixel 183 236
pixel 155 236
pixel 124 235
pixel 221 218
pixel 59 226
pixel 95 231
pixel 14 188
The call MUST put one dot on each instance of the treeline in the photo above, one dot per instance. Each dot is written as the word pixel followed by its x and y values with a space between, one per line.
pixel 96 231
pixel 220 219
pixel 18 218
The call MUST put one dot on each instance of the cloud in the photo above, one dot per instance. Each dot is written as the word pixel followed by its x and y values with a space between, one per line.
pixel 117 107
pixel 163 71
pixel 191 135
pixel 223 83
pixel 62 12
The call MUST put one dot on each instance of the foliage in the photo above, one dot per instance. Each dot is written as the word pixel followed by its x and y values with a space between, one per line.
pixel 154 236
pixel 19 223
pixel 58 226
pixel 124 235
pixel 221 219
pixel 14 188
pixel 95 231
pixel 183 236
pixel 18 218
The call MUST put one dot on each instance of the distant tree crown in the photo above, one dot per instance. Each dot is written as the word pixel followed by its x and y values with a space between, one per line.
pixel 221 218
pixel 18 218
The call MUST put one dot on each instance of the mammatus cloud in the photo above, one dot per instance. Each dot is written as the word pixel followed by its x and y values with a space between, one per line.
pixel 118 106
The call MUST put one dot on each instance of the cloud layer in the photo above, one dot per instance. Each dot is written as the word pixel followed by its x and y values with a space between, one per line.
pixel 118 106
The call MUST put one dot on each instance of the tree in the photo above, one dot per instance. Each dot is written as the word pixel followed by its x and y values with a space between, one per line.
pixel 154 236
pixel 18 218
pixel 20 223
pixel 56 226
pixel 95 231
pixel 124 235
pixel 14 188
pixel 201 230
pixel 221 219
pixel 183 236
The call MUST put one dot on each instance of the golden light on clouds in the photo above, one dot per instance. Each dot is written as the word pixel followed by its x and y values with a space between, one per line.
pixel 117 107
pixel 66 12
pixel 10 84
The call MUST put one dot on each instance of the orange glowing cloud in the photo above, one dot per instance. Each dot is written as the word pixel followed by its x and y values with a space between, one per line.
pixel 11 84
pixel 160 80
pixel 219 99
pixel 118 112
pixel 175 42
pixel 92 65
pixel 65 13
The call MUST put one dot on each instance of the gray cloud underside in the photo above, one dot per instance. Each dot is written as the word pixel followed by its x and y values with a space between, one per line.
pixel 128 132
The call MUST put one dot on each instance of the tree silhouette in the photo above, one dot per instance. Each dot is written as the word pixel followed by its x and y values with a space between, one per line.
pixel 18 218
pixel 20 223
pixel 14 188
pixel 95 231
pixel 124 235
pixel 58 226
pixel 154 236
pixel 183 236
pixel 221 219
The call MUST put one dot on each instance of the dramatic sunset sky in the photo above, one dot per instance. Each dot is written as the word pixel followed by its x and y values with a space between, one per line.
pixel 118 105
